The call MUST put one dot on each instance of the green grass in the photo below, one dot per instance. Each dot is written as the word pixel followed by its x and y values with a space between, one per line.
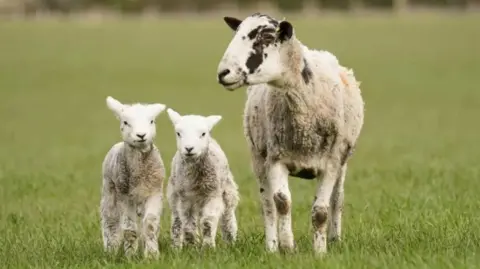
pixel 412 187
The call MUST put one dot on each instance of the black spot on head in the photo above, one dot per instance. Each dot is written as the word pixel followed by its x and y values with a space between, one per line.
pixel 254 32
pixel 255 59
pixel 306 72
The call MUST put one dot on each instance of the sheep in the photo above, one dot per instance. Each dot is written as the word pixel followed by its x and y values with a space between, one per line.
pixel 201 186
pixel 133 174
pixel 302 118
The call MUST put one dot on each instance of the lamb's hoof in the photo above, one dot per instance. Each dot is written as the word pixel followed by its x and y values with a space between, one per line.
pixel 152 255
pixel 272 247
pixel 289 249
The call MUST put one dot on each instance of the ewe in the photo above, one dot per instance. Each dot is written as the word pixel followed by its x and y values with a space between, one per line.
pixel 133 174
pixel 201 186
pixel 302 118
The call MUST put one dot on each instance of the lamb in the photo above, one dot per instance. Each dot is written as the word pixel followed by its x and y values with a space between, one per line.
pixel 302 118
pixel 201 186
pixel 133 174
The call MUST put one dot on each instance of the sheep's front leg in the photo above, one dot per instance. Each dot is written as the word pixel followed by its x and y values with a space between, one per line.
pixel 321 207
pixel 211 213
pixel 110 222
pixel 278 178
pixel 129 226
pixel 189 221
pixel 151 224
pixel 269 212
pixel 337 199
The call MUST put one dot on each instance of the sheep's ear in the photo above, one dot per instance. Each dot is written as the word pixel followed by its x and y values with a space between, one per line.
pixel 284 31
pixel 232 22
pixel 213 120
pixel 157 109
pixel 174 116
pixel 114 105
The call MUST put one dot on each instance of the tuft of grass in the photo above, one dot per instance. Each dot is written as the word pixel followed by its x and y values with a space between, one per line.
pixel 411 189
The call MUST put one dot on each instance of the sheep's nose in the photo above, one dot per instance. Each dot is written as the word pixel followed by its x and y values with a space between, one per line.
pixel 222 75
pixel 141 135
pixel 189 149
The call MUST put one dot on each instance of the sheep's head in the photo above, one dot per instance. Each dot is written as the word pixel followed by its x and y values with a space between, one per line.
pixel 137 121
pixel 254 54
pixel 192 132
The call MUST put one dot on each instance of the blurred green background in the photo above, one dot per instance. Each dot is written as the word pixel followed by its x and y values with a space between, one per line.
pixel 412 185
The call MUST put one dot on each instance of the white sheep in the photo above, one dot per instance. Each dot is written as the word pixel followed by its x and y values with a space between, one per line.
pixel 133 174
pixel 302 118
pixel 201 188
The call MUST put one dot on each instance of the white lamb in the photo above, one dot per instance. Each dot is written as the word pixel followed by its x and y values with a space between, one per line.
pixel 133 174
pixel 303 116
pixel 201 186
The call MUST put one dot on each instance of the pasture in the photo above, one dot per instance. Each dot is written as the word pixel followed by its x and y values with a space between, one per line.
pixel 412 185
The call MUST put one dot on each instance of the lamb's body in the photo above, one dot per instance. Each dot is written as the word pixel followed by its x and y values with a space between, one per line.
pixel 202 191
pixel 132 186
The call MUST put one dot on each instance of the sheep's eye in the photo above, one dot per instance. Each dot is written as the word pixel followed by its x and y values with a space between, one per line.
pixel 178 134
pixel 125 122
pixel 267 38
pixel 203 134
pixel 151 122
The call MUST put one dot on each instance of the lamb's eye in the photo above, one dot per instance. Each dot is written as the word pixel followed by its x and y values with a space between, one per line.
pixel 203 134
pixel 178 134
pixel 125 122
pixel 151 122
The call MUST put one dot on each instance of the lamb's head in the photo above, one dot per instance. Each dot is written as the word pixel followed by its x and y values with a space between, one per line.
pixel 192 132
pixel 254 54
pixel 137 121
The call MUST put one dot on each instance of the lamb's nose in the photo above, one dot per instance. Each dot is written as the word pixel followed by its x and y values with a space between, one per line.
pixel 141 136
pixel 222 75
pixel 189 149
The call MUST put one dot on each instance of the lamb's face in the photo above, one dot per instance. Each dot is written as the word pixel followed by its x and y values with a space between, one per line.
pixel 192 133
pixel 253 55
pixel 137 122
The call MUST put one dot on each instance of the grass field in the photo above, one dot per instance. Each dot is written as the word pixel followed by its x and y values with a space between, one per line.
pixel 412 186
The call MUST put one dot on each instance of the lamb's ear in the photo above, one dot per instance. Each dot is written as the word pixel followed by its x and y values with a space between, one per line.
pixel 213 120
pixel 157 109
pixel 232 22
pixel 174 116
pixel 284 31
pixel 114 105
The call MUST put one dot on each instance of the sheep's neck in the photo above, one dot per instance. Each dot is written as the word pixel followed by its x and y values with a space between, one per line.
pixel 292 84
pixel 139 153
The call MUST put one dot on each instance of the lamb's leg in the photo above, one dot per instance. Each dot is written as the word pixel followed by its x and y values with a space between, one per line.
pixel 321 206
pixel 335 225
pixel 278 178
pixel 110 222
pixel 151 224
pixel 189 221
pixel 176 225
pixel 211 213
pixel 268 206
pixel 228 219
pixel 129 226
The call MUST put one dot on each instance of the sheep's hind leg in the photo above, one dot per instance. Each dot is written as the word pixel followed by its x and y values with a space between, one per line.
pixel 337 199
pixel 210 216
pixel 321 206
pixel 278 178
pixel 151 225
